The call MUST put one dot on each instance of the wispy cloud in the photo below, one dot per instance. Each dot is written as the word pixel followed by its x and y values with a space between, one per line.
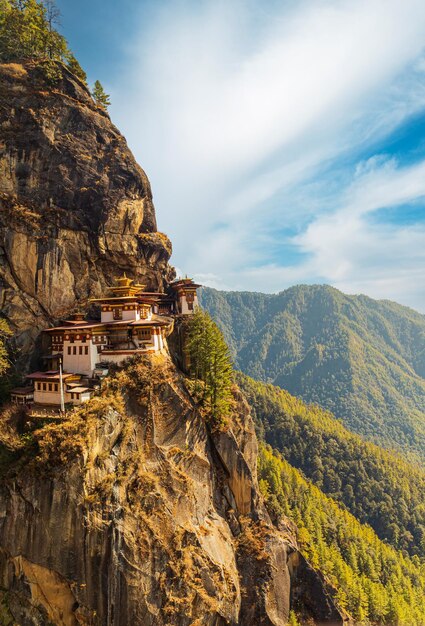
pixel 356 253
pixel 248 117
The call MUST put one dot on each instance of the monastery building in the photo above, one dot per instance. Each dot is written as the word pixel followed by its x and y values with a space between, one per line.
pixel 132 321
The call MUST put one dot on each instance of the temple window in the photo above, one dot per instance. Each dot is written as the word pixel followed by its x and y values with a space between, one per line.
pixel 50 386
pixel 74 350
pixel 118 313
pixel 44 386
pixel 69 349
pixel 144 333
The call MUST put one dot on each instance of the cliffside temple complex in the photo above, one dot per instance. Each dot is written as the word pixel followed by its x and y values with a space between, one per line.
pixel 132 321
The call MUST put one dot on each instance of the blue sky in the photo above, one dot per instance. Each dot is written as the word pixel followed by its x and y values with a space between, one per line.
pixel 284 141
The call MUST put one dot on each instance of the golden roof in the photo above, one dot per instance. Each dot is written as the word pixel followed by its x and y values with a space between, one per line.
pixel 124 281
pixel 124 287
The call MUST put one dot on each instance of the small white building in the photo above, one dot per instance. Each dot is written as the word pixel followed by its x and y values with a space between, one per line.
pixel 22 396
pixel 186 295
pixel 47 388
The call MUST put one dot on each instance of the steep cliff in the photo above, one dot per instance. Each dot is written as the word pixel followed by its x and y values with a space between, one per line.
pixel 75 208
pixel 132 512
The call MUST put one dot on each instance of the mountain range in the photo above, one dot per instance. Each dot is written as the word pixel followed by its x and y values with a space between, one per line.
pixel 360 358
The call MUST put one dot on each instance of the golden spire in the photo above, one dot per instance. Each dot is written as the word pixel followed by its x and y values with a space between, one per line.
pixel 124 281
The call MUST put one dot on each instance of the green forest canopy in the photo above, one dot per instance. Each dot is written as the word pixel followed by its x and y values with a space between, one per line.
pixel 378 487
pixel 27 31
pixel 373 582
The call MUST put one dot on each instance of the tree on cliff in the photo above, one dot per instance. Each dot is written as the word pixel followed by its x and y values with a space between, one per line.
pixel 27 31
pixel 100 97
pixel 210 366
pixel 76 68
pixel 7 378
pixel 4 333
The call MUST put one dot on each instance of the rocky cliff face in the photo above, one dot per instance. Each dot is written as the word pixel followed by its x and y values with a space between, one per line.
pixel 132 512
pixel 75 208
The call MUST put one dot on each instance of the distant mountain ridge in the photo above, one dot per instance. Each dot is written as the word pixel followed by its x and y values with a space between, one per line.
pixel 361 358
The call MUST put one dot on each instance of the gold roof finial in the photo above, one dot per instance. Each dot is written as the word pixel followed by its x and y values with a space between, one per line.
pixel 124 281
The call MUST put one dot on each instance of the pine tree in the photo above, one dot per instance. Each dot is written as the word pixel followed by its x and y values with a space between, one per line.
pixel 210 366
pixel 292 620
pixel 76 68
pixel 100 97
pixel 4 333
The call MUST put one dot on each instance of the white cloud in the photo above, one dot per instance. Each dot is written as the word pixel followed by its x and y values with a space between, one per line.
pixel 231 110
pixel 355 253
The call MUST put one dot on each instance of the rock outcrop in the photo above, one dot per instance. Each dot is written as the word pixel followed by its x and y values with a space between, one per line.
pixel 133 512
pixel 75 208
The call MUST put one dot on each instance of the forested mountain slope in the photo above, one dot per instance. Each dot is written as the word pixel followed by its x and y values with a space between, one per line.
pixel 360 358
pixel 378 487
pixel 375 583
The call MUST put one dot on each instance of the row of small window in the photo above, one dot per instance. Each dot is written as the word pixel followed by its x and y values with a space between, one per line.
pixel 117 313
pixel 144 333
pixel 81 350
pixel 57 338
pixel 99 339
pixel 47 386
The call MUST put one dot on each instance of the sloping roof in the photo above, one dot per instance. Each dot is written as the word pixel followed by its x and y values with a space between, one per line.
pixel 134 298
pixel 49 375
pixel 155 321
pixel 22 391
pixel 74 325
pixel 187 283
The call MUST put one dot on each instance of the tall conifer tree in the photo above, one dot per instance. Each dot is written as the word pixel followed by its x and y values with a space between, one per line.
pixel 210 366
pixel 100 97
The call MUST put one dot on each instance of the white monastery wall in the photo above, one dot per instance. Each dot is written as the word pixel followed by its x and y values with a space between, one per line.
pixel 107 316
pixel 78 362
pixel 130 315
